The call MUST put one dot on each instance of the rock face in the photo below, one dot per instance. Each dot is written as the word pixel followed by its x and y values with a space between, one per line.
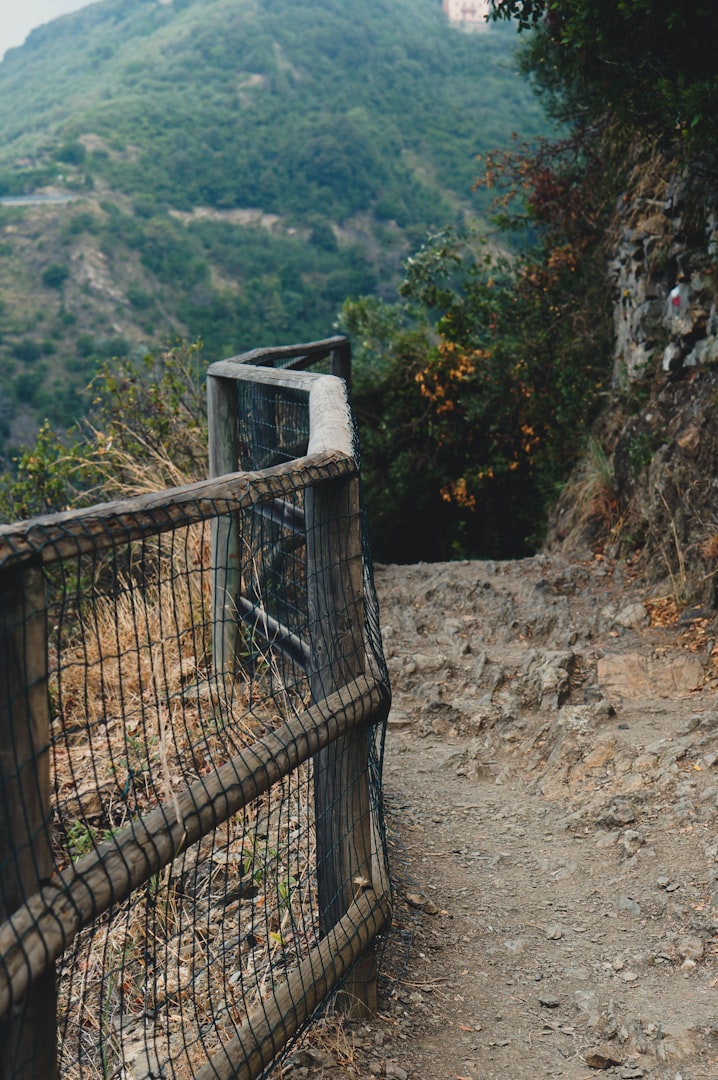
pixel 658 438
pixel 665 287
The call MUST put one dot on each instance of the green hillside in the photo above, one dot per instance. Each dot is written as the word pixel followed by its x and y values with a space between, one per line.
pixel 237 168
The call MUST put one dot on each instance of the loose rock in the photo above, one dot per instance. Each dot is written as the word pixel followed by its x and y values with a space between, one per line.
pixel 602 1057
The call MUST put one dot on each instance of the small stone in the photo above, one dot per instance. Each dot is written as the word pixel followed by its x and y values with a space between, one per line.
pixel 549 1002
pixel 566 871
pixel 422 902
pixel 578 973
pixel 663 882
pixel 586 1001
pixel 608 839
pixel 554 932
pixel 601 1057
pixel 301 1060
pixel 517 946
pixel 625 903
pixel 620 812
pixel 322 1058
pixel 631 841
pixel 629 976
pixel 395 1071
pixel 690 948
pixel 632 616
pixel 398 721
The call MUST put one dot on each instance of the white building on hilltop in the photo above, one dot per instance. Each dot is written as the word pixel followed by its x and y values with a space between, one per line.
pixel 467 11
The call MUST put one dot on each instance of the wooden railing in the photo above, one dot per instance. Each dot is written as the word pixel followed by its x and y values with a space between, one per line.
pixel 315 495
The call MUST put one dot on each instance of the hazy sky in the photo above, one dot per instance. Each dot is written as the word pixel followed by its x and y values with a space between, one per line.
pixel 19 17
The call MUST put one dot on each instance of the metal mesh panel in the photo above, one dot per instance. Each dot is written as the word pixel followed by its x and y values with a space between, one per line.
pixel 273 424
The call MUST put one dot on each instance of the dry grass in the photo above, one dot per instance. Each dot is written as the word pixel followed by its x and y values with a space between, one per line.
pixel 589 501
pixel 154 469
pixel 676 565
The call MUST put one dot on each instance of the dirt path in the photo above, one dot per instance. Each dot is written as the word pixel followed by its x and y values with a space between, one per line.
pixel 551 779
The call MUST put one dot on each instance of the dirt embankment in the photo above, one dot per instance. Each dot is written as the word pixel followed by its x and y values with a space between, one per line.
pixel 552 787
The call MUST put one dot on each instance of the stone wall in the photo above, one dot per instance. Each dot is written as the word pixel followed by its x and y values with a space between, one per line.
pixel 664 278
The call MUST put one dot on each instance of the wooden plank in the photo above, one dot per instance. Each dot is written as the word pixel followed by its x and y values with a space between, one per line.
pixel 277 1019
pixel 222 421
pixel 291 380
pixel 28 1031
pixel 225 545
pixel 275 633
pixel 282 513
pixel 330 423
pixel 304 354
pixel 341 357
pixel 96 528
pixel 330 426
pixel 48 923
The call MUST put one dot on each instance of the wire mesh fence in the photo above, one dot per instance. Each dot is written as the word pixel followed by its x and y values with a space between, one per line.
pixel 191 720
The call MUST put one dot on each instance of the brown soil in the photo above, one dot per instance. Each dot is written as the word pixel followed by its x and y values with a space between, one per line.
pixel 552 793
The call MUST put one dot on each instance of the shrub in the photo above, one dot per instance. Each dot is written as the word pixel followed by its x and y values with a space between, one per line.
pixel 55 275
pixel 147 430
pixel 483 382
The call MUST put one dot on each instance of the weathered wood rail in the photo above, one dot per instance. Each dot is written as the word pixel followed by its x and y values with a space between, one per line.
pixel 43 909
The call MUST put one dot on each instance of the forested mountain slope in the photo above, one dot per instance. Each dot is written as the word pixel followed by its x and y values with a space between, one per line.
pixel 236 169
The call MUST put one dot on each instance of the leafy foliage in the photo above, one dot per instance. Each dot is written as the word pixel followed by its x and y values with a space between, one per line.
pixel 41 480
pixel 147 429
pixel 402 476
pixel 650 64
pixel 484 381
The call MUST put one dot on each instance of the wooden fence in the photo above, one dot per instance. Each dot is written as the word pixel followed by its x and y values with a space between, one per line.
pixel 339 702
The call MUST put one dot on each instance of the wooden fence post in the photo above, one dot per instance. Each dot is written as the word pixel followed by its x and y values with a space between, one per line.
pixel 341 359
pixel 224 458
pixel 341 780
pixel 28 1031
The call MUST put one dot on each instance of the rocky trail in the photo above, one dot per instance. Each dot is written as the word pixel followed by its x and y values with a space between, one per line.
pixel 552 792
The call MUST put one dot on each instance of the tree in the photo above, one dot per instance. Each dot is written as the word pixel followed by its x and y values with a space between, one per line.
pixel 484 381
pixel 651 65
